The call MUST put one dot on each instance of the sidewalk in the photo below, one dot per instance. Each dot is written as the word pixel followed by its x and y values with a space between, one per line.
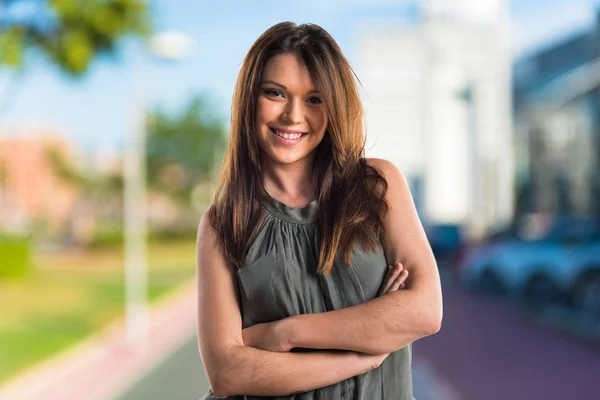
pixel 102 366
pixel 428 384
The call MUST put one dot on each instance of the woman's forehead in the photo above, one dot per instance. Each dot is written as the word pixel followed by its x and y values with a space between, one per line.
pixel 289 70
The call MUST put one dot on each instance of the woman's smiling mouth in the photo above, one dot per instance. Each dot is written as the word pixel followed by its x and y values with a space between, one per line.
pixel 287 136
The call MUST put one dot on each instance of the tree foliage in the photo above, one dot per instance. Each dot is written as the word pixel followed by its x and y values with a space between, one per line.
pixel 71 33
pixel 184 149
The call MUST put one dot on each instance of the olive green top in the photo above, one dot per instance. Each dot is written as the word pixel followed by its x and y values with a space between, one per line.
pixel 279 279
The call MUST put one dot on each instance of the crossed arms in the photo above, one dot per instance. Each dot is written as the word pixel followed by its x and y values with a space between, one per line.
pixel 348 342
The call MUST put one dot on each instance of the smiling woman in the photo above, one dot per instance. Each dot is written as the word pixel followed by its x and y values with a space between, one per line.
pixel 304 256
pixel 290 117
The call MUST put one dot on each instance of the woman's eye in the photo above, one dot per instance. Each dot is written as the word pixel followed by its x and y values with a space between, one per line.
pixel 314 100
pixel 272 92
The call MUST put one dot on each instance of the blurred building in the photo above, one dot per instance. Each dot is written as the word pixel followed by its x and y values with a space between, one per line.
pixel 31 191
pixel 557 116
pixel 438 104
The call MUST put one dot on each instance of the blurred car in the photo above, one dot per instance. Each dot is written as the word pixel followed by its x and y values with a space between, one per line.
pixel 560 267
pixel 446 241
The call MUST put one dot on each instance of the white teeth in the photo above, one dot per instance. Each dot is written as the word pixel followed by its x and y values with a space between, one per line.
pixel 291 136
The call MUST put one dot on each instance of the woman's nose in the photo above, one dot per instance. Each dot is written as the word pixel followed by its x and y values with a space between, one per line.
pixel 293 112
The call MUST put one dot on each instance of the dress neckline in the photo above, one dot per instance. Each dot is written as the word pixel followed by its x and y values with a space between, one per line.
pixel 298 215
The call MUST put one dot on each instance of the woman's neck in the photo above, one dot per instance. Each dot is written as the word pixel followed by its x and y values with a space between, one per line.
pixel 290 183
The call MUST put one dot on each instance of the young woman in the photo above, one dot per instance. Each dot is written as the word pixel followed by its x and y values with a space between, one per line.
pixel 295 295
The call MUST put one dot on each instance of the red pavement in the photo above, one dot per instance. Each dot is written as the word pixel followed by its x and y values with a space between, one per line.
pixel 488 350
pixel 104 365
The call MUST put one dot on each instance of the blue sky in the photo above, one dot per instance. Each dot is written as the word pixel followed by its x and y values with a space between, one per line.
pixel 94 112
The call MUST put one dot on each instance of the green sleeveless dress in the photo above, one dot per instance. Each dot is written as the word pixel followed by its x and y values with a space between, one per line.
pixel 279 279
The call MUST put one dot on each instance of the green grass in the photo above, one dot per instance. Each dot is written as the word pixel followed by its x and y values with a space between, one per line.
pixel 70 296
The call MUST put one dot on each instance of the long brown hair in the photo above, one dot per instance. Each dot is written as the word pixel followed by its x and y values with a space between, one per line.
pixel 351 193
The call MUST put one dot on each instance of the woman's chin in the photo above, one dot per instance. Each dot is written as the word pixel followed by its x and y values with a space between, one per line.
pixel 283 157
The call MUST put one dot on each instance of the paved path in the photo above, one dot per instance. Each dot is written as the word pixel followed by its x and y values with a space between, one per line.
pixel 489 350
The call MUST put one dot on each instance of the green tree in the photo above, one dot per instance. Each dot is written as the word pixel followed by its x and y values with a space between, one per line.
pixel 71 33
pixel 183 149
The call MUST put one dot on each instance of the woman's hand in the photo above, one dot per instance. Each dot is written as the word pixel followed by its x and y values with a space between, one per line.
pixel 395 279
pixel 270 336
pixel 371 361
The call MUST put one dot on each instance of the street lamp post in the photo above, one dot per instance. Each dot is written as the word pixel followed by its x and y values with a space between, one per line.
pixel 169 45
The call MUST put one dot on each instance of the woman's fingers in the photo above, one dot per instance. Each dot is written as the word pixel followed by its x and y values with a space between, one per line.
pixel 392 274
pixel 399 281
pixel 395 279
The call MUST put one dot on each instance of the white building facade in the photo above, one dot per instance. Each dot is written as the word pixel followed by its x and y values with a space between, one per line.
pixel 437 99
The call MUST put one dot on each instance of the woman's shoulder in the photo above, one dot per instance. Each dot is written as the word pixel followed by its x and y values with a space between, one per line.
pixel 388 169
pixel 382 165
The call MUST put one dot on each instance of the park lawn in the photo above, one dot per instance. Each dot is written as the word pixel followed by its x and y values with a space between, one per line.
pixel 70 296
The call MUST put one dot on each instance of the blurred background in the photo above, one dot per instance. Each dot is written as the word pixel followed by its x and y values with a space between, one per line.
pixel 114 121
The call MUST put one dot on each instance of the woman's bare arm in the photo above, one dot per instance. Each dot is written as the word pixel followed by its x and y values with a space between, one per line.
pixel 235 369
pixel 390 322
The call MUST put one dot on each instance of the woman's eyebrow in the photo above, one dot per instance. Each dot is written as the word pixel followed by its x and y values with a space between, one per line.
pixel 284 87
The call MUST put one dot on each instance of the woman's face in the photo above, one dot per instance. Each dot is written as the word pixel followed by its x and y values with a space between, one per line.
pixel 290 117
